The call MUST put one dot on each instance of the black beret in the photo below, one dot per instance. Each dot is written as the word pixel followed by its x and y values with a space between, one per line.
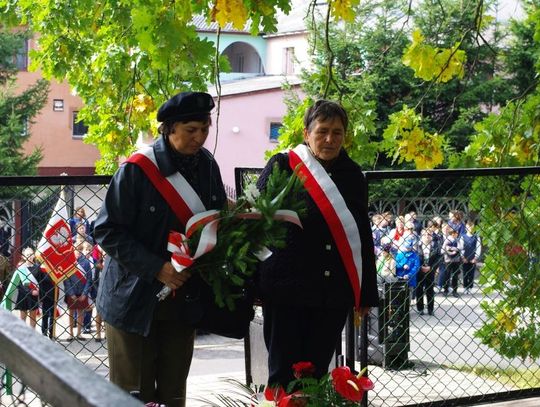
pixel 185 104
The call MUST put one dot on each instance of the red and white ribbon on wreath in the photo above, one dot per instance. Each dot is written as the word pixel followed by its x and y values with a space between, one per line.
pixel 181 256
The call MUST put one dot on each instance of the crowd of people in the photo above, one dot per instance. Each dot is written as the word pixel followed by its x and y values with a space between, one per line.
pixel 31 290
pixel 436 255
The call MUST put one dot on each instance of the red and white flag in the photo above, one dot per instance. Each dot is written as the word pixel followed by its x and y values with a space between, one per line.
pixel 55 248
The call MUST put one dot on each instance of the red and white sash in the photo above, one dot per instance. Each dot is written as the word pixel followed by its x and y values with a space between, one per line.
pixel 188 208
pixel 175 189
pixel 339 218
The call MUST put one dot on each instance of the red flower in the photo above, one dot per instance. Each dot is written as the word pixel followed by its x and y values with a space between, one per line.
pixel 303 369
pixel 348 385
pixel 274 393
pixel 283 399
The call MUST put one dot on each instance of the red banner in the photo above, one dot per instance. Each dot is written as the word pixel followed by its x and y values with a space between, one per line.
pixel 55 248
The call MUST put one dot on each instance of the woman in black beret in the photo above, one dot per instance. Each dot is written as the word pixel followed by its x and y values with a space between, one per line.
pixel 155 191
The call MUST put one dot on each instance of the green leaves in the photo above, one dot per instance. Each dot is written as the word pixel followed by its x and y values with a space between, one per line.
pixel 509 228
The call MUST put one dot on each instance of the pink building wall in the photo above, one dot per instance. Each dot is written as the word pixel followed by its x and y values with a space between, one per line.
pixel 251 113
pixel 52 131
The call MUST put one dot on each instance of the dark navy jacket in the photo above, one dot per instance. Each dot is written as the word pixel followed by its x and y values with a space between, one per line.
pixel 309 271
pixel 132 227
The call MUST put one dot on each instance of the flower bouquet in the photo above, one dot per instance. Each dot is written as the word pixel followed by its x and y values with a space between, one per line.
pixel 224 247
pixel 340 388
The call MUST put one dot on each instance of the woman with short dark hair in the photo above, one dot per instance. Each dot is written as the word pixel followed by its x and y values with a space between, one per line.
pixel 327 267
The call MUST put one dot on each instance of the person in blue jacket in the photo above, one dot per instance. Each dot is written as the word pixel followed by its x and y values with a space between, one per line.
pixel 408 262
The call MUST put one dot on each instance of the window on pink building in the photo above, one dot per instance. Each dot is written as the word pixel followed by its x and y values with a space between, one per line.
pixel 288 60
pixel 274 131
pixel 78 126
pixel 21 59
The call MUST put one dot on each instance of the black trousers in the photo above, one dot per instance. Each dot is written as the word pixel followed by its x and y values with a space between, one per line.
pixel 468 274
pixel 452 273
pixel 47 308
pixel 424 285
pixel 300 334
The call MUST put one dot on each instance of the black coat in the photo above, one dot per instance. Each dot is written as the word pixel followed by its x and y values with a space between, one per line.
pixel 309 271
pixel 132 227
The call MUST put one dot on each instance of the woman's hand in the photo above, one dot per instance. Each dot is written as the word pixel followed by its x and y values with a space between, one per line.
pixel 171 278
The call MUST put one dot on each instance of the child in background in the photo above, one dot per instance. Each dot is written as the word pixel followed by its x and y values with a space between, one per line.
pixel 452 261
pixel 408 262
pixel 470 247
pixel 23 289
pixel 76 288
pixel 386 264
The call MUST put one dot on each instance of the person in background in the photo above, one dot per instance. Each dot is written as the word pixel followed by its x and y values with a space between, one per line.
pixel 98 257
pixel 5 236
pixel 82 237
pixel 379 230
pixel 440 232
pixel 389 220
pixel 5 265
pixel 470 248
pixel 307 286
pixel 76 289
pixel 408 262
pixel 47 299
pixel 455 221
pixel 452 261
pixel 430 257
pixel 412 217
pixel 149 346
pixel 23 289
pixel 5 274
pixel 87 249
pixel 79 218
pixel 409 234
pixel 386 264
pixel 396 233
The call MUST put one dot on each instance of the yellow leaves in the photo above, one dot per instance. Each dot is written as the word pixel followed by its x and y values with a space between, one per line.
pixel 421 147
pixel 230 11
pixel 142 111
pixel 142 103
pixel 523 149
pixel 433 63
pixel 343 9
pixel 112 136
pixel 506 320
pixel 405 140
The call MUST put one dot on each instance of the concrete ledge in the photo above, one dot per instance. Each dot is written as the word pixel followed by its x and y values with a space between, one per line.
pixel 48 370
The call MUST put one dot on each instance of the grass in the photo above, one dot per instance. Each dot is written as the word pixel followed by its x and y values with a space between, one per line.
pixel 520 378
